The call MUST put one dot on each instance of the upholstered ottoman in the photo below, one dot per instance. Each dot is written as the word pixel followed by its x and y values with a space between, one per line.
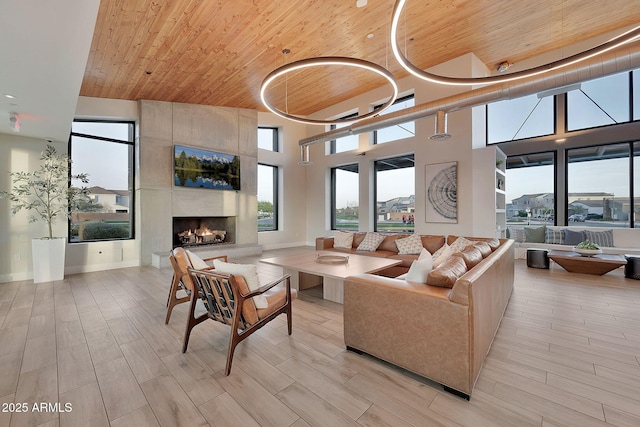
pixel 537 258
pixel 632 268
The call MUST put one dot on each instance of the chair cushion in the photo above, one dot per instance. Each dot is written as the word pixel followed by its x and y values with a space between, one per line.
pixel 343 240
pixel 410 245
pixel 371 242
pixel 250 274
pixel 249 311
pixel 276 298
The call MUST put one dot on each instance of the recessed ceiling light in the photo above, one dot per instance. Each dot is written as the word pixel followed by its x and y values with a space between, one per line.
pixel 370 35
pixel 361 3
pixel 9 96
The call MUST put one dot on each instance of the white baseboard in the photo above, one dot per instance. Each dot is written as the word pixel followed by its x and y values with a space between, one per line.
pixel 101 267
pixel 16 277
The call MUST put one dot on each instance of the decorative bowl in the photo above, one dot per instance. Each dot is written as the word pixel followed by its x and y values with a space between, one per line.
pixel 332 259
pixel 588 252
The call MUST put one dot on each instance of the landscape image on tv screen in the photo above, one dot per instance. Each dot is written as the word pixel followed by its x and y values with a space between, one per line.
pixel 195 167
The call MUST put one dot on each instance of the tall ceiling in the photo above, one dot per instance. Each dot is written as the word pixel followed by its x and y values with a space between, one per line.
pixel 217 52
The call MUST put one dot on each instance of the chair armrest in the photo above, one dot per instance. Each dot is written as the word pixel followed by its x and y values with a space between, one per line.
pixel 222 257
pixel 264 288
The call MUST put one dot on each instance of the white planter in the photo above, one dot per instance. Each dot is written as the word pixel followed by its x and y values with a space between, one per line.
pixel 48 259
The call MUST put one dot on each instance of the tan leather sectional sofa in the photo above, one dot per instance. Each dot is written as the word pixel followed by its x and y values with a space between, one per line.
pixel 440 333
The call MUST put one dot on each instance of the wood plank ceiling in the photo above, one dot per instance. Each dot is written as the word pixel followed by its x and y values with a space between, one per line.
pixel 217 52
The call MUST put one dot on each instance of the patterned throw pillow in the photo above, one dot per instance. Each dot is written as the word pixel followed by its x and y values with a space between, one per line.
pixel 441 254
pixel 517 234
pixel 371 242
pixel 460 243
pixel 343 240
pixel 411 245
pixel 600 238
pixel 554 236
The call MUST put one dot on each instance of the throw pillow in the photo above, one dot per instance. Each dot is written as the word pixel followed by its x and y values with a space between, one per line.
pixel 371 242
pixel 573 237
pixel 441 257
pixel 460 243
pixel 250 274
pixel 517 234
pixel 445 275
pixel 343 240
pixel 411 245
pixel 197 262
pixel 554 236
pixel 534 234
pixel 600 238
pixel 420 268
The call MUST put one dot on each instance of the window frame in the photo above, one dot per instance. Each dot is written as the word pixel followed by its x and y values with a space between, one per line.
pixel 276 138
pixel 333 206
pixel 375 188
pixel 131 179
pixel 397 101
pixel 333 143
pixel 276 201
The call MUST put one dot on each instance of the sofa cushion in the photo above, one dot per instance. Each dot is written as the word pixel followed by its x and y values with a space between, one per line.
pixel 446 274
pixel 389 243
pixel 483 247
pixel 554 236
pixel 420 268
pixel 471 255
pixel 600 238
pixel 493 243
pixel 460 243
pixel 358 238
pixel 371 242
pixel 406 259
pixel 410 245
pixel 343 240
pixel 534 234
pixel 573 237
pixel 517 234
pixel 433 243
pixel 442 255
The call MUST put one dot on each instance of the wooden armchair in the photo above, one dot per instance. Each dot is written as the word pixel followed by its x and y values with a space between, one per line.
pixel 181 281
pixel 228 300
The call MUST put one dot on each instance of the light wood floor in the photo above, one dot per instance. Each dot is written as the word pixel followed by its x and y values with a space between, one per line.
pixel 567 354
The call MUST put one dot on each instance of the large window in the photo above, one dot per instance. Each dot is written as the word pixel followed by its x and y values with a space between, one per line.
pixel 345 143
pixel 636 185
pixel 344 197
pixel 268 138
pixel 103 150
pixel 598 186
pixel 267 197
pixel 531 189
pixel 599 102
pixel 395 202
pixel 520 118
pixel 401 131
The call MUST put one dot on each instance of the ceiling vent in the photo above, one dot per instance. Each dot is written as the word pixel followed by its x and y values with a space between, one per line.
pixel 441 127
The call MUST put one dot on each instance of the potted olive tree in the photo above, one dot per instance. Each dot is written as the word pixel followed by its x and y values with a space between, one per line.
pixel 48 197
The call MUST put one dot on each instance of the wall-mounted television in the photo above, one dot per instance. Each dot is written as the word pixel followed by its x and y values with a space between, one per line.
pixel 195 167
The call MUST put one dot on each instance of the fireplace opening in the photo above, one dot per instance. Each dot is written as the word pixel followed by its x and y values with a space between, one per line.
pixel 203 231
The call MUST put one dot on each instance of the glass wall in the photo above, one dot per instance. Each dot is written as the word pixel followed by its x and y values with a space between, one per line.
pixel 636 185
pixel 395 202
pixel 598 186
pixel 103 150
pixel 267 197
pixel 520 118
pixel 345 198
pixel 599 102
pixel 531 189
pixel 345 143
pixel 401 131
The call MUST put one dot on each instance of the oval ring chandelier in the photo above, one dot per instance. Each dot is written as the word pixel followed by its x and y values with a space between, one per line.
pixel 327 60
pixel 468 81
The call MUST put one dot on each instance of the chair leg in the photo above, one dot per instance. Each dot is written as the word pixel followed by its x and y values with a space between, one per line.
pixel 173 299
pixel 192 321
pixel 289 317
pixel 233 342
